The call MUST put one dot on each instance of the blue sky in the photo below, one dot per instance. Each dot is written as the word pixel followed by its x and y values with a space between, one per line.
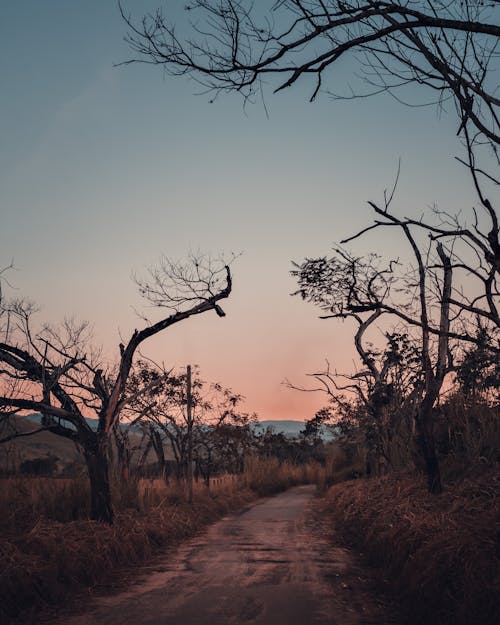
pixel 104 168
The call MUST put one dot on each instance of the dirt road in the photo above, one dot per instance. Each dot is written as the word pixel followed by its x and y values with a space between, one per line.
pixel 271 565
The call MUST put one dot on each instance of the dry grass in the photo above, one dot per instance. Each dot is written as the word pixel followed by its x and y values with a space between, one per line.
pixel 469 436
pixel 50 548
pixel 269 476
pixel 25 501
pixel 43 565
pixel 442 553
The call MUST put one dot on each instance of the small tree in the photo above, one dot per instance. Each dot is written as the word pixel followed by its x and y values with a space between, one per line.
pixel 377 400
pixel 55 372
pixel 223 440
pixel 232 441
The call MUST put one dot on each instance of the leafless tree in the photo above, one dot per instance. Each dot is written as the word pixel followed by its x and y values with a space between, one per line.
pixel 54 372
pixel 448 47
pixel 473 245
pixel 235 45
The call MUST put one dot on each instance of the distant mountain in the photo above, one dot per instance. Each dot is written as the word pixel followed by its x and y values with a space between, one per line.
pixel 290 429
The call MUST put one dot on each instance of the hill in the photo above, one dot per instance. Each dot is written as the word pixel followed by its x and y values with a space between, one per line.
pixel 44 444
pixel 38 445
pixel 289 428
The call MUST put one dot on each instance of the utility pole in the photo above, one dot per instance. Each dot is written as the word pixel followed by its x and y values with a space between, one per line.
pixel 189 395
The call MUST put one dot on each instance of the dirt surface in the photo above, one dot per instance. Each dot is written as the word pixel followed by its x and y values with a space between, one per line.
pixel 274 564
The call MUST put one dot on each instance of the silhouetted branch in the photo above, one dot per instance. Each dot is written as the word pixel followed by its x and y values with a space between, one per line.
pixel 446 46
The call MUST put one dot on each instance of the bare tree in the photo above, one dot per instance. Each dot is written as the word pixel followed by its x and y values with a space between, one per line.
pixel 55 373
pixel 473 246
pixel 448 47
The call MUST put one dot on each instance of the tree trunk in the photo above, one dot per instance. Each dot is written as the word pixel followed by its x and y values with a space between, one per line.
pixel 157 442
pixel 123 454
pixel 427 445
pixel 189 408
pixel 100 492
pixel 209 468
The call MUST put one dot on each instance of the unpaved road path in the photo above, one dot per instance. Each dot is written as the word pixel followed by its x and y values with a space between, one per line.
pixel 274 564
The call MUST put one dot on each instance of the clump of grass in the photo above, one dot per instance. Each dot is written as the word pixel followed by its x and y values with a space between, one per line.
pixel 442 553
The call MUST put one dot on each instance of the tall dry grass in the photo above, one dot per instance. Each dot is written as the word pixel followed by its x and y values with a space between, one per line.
pixel 268 476
pixel 442 553
pixel 50 548
pixel 25 501
pixel 468 436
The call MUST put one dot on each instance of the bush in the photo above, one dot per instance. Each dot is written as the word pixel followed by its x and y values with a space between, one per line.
pixel 40 466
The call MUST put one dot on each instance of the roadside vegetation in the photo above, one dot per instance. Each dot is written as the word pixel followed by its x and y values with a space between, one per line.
pixel 50 549
pixel 440 553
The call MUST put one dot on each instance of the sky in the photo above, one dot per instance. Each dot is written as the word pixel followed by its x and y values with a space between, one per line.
pixel 105 168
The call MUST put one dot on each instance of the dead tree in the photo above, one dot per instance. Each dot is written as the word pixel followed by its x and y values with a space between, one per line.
pixel 448 47
pixel 55 373
pixel 473 246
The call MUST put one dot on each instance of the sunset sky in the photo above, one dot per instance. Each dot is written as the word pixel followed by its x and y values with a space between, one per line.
pixel 103 169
